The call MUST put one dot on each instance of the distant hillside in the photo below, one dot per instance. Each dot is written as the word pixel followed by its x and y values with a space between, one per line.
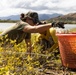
pixel 69 18
pixel 48 16
pixel 41 16
pixel 12 17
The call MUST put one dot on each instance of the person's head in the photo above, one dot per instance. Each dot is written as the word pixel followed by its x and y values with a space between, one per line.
pixel 33 16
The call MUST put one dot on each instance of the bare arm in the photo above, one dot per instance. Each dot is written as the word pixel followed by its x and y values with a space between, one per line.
pixel 36 29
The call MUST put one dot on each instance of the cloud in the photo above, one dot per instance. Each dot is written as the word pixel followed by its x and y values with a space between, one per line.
pixel 15 7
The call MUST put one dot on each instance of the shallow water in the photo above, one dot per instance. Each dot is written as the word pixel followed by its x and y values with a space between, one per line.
pixel 4 26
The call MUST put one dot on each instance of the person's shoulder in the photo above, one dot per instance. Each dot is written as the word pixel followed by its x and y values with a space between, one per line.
pixel 23 23
pixel 52 30
pixel 19 23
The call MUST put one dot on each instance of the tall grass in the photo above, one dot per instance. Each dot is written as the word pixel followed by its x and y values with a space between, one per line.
pixel 14 59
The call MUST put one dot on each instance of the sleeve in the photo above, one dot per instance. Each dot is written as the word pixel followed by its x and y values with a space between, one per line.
pixel 21 25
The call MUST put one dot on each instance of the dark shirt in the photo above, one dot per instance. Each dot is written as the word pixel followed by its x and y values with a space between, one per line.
pixel 16 32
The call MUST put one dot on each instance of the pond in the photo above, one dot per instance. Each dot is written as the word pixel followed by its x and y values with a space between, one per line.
pixel 4 26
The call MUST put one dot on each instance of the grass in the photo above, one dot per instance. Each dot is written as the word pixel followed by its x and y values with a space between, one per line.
pixel 16 61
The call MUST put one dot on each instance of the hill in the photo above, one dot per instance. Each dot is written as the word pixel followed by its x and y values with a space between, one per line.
pixel 41 16
pixel 68 18
pixel 12 17
pixel 48 16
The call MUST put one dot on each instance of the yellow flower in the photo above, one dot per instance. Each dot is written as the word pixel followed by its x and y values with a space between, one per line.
pixel 1 48
pixel 30 68
pixel 29 58
pixel 12 42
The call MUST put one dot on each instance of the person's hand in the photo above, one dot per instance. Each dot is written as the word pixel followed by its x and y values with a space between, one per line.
pixel 58 24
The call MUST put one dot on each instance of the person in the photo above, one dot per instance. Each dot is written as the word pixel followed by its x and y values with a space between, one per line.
pixel 22 29
pixel 48 39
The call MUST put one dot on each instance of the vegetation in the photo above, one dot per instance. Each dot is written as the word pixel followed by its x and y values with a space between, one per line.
pixel 14 60
pixel 69 18
pixel 10 21
pixel 67 21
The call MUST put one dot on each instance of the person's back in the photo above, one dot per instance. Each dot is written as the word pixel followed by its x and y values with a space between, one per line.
pixel 15 32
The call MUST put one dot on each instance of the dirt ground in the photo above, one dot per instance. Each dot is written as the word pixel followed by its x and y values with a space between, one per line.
pixel 54 67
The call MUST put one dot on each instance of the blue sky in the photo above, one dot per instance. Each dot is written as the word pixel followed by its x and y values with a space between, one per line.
pixel 16 7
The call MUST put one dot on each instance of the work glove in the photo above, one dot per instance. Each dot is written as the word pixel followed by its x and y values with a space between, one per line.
pixel 58 24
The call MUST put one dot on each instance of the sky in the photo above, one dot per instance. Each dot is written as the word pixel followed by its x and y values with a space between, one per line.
pixel 16 7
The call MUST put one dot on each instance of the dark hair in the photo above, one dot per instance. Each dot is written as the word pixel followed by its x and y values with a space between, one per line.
pixel 22 17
